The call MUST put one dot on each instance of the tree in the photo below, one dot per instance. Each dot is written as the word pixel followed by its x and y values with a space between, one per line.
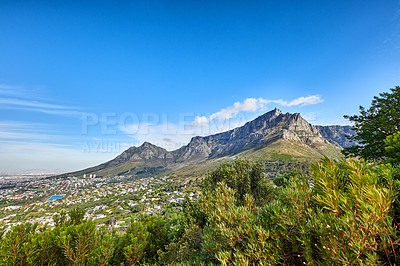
pixel 233 235
pixel 393 148
pixel 284 180
pixel 78 242
pixel 17 245
pixel 142 241
pixel 244 178
pixel 76 216
pixel 374 124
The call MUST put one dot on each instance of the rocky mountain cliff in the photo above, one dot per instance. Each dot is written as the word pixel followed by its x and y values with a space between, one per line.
pixel 337 135
pixel 270 128
pixel 265 129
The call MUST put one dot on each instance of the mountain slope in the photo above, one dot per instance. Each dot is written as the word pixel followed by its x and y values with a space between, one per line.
pixel 271 136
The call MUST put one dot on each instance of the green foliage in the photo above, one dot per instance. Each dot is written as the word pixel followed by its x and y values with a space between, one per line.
pixel 243 177
pixel 284 180
pixel 77 242
pixel 158 231
pixel 374 125
pixel 76 216
pixel 233 235
pixel 135 242
pixel 73 217
pixel 357 200
pixel 345 216
pixel 142 241
pixel 185 250
pixel 71 242
pixel 60 218
pixel 17 246
pixel 393 148
pixel 287 220
pixel 103 248
pixel 192 214
pixel 345 213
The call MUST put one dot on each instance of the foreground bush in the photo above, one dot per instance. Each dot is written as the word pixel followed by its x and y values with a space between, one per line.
pixel 357 200
pixel 345 213
pixel 72 242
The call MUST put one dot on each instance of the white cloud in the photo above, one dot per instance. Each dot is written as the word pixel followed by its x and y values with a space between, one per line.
pixel 303 101
pixel 248 105
pixel 30 103
pixel 253 105
pixel 20 125
pixel 12 90
pixel 200 121
pixel 23 135
pixel 19 98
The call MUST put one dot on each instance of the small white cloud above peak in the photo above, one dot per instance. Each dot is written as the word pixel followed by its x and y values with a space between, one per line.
pixel 200 121
pixel 303 101
pixel 253 105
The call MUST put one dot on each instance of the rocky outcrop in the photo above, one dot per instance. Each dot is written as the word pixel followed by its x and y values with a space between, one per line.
pixel 143 153
pixel 262 130
pixel 337 135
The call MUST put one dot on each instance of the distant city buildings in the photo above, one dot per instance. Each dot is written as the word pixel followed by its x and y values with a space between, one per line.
pixel 117 198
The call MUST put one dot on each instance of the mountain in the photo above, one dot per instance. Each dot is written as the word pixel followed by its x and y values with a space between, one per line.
pixel 265 129
pixel 337 135
pixel 271 136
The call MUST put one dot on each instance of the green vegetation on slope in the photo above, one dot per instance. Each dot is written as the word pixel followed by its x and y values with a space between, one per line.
pixel 289 150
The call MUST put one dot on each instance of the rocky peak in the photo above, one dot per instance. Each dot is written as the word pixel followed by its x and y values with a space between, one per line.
pixel 146 151
pixel 148 145
pixel 276 111
pixel 298 124
pixel 299 129
pixel 269 115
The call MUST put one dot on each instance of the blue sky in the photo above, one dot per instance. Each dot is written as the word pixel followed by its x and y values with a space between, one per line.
pixel 82 80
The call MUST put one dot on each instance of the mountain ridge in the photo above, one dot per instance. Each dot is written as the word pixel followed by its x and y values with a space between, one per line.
pixel 271 127
pixel 336 134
